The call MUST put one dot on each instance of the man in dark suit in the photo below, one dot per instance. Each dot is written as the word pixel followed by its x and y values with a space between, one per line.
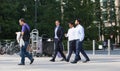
pixel 58 35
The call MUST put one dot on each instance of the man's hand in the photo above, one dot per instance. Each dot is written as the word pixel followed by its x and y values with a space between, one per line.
pixel 65 35
pixel 16 33
pixel 22 33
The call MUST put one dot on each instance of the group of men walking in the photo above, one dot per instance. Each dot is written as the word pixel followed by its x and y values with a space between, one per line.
pixel 75 36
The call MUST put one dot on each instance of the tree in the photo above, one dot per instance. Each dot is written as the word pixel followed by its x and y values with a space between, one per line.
pixel 47 12
pixel 82 9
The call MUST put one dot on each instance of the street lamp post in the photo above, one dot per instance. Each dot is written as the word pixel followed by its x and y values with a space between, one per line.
pixel 35 13
pixel 99 31
pixel 24 8
pixel 0 29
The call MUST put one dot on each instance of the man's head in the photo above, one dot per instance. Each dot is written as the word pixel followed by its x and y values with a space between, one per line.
pixel 21 21
pixel 77 21
pixel 71 24
pixel 57 22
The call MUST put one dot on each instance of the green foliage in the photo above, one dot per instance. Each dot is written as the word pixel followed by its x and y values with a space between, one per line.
pixel 47 12
pixel 87 45
pixel 92 33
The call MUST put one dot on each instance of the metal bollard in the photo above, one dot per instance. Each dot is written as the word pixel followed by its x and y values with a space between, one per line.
pixel 109 47
pixel 93 47
pixel 67 47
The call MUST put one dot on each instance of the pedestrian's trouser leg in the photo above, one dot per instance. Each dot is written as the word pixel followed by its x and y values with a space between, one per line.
pixel 83 52
pixel 56 49
pixel 77 56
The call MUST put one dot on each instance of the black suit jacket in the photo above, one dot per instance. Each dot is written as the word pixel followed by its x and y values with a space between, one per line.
pixel 60 33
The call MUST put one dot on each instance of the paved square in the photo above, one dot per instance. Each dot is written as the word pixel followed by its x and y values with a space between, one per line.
pixel 97 63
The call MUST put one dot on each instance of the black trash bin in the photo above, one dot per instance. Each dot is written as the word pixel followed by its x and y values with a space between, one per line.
pixel 48 48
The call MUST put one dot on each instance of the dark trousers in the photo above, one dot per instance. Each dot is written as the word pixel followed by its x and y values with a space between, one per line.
pixel 72 48
pixel 79 49
pixel 58 48
pixel 25 53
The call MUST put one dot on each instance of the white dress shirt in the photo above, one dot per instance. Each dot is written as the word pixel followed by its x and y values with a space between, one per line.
pixel 56 32
pixel 70 34
pixel 79 32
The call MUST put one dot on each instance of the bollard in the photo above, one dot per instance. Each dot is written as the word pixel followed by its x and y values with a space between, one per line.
pixel 93 47
pixel 108 46
pixel 67 47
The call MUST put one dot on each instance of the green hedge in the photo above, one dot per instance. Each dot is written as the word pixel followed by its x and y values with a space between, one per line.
pixel 88 45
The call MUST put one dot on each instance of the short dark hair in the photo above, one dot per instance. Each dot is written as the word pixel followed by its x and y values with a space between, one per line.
pixel 58 21
pixel 71 23
pixel 78 20
pixel 22 19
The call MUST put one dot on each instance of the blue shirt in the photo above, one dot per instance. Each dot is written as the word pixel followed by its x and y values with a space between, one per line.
pixel 24 27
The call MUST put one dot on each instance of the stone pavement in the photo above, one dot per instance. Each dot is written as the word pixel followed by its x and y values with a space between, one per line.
pixel 97 63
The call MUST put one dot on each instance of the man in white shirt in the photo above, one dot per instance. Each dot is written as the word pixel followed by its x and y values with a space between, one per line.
pixel 79 36
pixel 72 41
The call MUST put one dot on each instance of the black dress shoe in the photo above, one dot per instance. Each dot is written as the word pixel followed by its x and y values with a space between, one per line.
pixel 52 60
pixel 21 64
pixel 67 60
pixel 64 60
pixel 74 62
pixel 32 61
pixel 78 59
pixel 86 61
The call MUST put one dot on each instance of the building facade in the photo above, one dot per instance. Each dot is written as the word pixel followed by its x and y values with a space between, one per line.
pixel 110 17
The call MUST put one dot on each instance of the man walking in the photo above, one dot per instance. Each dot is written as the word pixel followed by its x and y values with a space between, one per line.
pixel 25 34
pixel 58 35
pixel 72 42
pixel 79 36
